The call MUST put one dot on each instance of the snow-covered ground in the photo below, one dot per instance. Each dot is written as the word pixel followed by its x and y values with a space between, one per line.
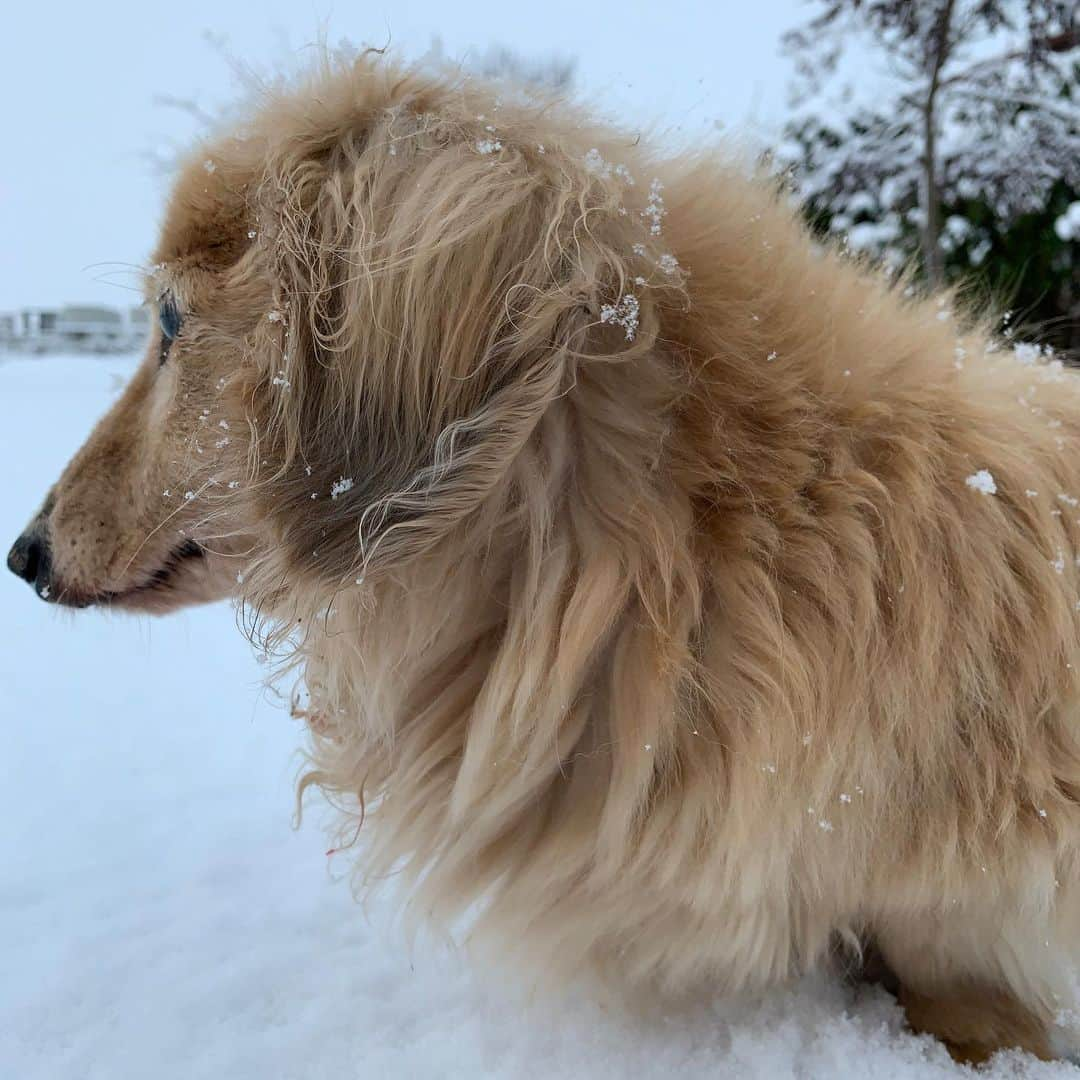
pixel 159 917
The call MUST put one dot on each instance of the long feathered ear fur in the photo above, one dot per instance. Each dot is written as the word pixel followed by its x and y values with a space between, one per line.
pixel 463 418
pixel 435 292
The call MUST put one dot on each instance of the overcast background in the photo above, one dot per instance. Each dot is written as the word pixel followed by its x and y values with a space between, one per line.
pixel 79 81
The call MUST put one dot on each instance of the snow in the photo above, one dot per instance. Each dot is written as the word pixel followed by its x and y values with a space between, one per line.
pixel 1027 352
pixel 982 481
pixel 595 164
pixel 654 209
pixel 624 313
pixel 668 264
pixel 161 918
pixel 1067 226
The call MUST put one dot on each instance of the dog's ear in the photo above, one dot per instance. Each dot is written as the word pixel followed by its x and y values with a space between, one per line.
pixel 431 304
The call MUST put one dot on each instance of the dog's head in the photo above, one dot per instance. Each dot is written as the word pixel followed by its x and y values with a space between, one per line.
pixel 367 299
pixel 137 520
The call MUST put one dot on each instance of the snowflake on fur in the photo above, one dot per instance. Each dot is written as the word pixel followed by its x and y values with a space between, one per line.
pixel 654 209
pixel 982 481
pixel 595 163
pixel 668 264
pixel 624 313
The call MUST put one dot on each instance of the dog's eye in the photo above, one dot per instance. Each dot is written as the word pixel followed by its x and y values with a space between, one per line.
pixel 169 318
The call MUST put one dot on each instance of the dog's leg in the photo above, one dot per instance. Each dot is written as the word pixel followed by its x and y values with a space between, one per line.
pixel 983 983
pixel 975 1021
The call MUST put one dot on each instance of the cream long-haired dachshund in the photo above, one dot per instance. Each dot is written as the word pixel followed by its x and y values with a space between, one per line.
pixel 683 603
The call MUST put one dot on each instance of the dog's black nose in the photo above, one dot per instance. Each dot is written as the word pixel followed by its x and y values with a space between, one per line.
pixel 29 558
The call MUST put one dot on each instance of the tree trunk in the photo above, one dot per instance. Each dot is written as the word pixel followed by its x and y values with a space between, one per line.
pixel 931 199
pixel 938 48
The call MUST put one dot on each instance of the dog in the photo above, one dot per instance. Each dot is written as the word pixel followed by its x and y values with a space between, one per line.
pixel 685 603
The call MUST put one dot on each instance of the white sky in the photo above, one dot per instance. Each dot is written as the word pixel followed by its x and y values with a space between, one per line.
pixel 78 83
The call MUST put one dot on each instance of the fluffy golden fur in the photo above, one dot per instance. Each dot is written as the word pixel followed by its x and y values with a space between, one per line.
pixel 624 542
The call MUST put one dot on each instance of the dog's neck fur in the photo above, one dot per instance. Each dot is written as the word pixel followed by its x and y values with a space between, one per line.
pixel 491 669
